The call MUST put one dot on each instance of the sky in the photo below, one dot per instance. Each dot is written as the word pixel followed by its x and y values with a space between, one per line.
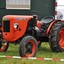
pixel 60 2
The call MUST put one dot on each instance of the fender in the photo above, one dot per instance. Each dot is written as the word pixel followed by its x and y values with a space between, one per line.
pixel 48 30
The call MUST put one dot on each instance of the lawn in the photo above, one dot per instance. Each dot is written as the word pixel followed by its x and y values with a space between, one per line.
pixel 43 51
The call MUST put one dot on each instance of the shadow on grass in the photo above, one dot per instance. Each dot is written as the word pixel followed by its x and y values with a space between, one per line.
pixel 47 50
pixel 44 49
pixel 10 53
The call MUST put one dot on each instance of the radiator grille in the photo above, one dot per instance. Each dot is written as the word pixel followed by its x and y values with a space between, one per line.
pixel 6 26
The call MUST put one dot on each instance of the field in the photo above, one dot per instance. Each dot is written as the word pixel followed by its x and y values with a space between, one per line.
pixel 43 51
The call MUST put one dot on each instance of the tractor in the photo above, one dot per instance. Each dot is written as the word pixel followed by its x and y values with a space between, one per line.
pixel 30 32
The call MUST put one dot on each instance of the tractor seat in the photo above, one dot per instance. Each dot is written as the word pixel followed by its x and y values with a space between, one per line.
pixel 47 19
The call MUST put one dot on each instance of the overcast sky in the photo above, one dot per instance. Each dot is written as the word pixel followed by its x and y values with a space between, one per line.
pixel 60 2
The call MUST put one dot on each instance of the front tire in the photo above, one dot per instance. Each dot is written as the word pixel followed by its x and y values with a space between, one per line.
pixel 3 45
pixel 56 37
pixel 28 47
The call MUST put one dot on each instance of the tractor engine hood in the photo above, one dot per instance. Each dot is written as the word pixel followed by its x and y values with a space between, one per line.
pixel 16 17
pixel 14 26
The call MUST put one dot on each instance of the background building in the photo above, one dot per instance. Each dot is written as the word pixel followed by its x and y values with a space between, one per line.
pixel 25 7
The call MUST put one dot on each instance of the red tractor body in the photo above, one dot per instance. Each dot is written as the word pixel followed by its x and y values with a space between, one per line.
pixel 14 27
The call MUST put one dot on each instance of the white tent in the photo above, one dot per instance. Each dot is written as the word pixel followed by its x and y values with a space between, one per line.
pixel 60 9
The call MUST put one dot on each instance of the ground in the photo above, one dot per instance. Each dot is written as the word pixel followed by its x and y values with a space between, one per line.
pixel 44 51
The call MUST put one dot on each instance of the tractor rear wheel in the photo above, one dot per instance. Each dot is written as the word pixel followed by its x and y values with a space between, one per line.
pixel 3 46
pixel 56 37
pixel 28 46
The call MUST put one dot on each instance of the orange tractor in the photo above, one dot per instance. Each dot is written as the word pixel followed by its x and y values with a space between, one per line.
pixel 30 33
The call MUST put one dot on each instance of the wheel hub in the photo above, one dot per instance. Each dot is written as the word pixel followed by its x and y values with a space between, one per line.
pixel 29 48
pixel 61 38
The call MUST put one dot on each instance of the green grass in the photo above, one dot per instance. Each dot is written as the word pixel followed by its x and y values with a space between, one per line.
pixel 44 51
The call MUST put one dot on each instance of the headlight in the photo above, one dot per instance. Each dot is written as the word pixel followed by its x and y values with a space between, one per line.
pixel 16 25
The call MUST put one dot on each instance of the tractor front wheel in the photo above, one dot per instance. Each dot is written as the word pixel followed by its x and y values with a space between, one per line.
pixel 28 46
pixel 56 37
pixel 3 46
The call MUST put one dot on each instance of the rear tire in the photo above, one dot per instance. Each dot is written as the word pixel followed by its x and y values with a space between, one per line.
pixel 56 37
pixel 28 47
